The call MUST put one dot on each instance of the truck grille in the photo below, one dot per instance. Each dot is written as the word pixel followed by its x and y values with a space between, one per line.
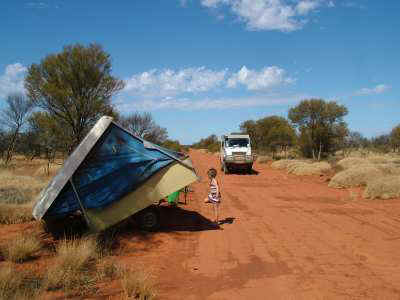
pixel 238 153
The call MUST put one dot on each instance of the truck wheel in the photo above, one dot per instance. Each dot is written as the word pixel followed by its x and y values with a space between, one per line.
pixel 250 169
pixel 149 219
pixel 226 170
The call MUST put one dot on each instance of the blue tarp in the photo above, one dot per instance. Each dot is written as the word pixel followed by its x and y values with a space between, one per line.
pixel 116 166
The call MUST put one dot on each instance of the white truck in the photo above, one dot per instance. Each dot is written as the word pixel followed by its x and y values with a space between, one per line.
pixel 235 153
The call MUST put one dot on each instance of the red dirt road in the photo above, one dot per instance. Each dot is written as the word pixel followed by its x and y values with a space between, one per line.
pixel 286 237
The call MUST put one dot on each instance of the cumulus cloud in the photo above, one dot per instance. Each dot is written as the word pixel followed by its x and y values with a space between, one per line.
pixel 169 82
pixel 379 89
pixel 12 80
pixel 267 78
pixel 165 83
pixel 270 14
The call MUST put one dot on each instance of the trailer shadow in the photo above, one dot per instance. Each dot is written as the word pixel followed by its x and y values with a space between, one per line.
pixel 179 219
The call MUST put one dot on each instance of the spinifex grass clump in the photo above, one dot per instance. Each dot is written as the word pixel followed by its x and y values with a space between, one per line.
pixel 21 248
pixel 281 164
pixel 137 284
pixel 18 285
pixel 383 188
pixel 74 265
pixel 356 176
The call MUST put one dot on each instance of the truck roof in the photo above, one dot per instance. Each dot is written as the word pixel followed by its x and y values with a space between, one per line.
pixel 237 136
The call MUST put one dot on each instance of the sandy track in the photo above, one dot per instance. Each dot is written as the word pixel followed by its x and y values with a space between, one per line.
pixel 286 237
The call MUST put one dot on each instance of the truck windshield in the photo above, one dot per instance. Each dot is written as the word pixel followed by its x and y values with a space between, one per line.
pixel 238 142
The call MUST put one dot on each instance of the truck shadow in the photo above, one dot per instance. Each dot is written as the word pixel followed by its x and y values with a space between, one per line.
pixel 242 172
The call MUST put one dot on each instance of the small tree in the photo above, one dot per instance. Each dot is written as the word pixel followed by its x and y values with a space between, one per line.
pixel 144 126
pixel 319 122
pixel 270 133
pixel 395 138
pixel 75 87
pixel 14 117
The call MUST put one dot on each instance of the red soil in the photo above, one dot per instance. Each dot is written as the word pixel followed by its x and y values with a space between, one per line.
pixel 283 237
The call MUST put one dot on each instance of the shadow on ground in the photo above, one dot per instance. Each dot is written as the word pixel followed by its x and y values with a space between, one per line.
pixel 179 219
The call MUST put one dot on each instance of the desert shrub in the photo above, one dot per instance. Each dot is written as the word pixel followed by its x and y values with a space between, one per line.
pixel 14 214
pixel 213 147
pixel 395 161
pixel 292 166
pixel 378 159
pixel 349 162
pixel 389 168
pixel 74 266
pixel 317 168
pixel 18 285
pixel 21 248
pixel 356 176
pixel 282 164
pixel 383 188
pixel 263 159
pixel 137 284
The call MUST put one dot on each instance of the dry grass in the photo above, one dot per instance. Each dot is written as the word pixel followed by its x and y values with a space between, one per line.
pixel 49 171
pixel 389 168
pixel 303 168
pixel 137 284
pixel 74 265
pixel 356 176
pixel 378 159
pixel 27 186
pixel 263 159
pixel 108 270
pixel 282 164
pixel 383 188
pixel 17 285
pixel 22 248
pixel 14 214
pixel 349 162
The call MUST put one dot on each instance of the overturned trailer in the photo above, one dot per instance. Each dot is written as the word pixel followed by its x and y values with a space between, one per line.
pixel 111 176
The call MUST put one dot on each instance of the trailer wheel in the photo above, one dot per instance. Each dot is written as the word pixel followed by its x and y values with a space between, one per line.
pixel 149 219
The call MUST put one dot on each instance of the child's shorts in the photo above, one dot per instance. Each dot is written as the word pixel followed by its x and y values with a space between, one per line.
pixel 214 199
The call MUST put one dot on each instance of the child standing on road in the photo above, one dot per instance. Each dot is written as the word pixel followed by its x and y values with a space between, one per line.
pixel 214 196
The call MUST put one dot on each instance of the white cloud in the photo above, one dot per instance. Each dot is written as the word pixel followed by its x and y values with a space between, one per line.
pixel 270 14
pixel 12 81
pixel 169 82
pixel 379 89
pixel 267 78
pixel 306 6
pixel 331 4
pixel 164 83
pixel 204 104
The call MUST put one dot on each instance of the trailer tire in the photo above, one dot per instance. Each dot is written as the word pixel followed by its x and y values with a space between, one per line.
pixel 149 219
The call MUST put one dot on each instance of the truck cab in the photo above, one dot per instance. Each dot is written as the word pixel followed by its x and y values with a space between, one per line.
pixel 235 153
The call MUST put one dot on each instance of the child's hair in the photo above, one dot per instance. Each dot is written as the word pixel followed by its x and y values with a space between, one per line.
pixel 212 173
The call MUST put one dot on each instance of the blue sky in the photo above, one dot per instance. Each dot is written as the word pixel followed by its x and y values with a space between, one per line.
pixel 204 66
